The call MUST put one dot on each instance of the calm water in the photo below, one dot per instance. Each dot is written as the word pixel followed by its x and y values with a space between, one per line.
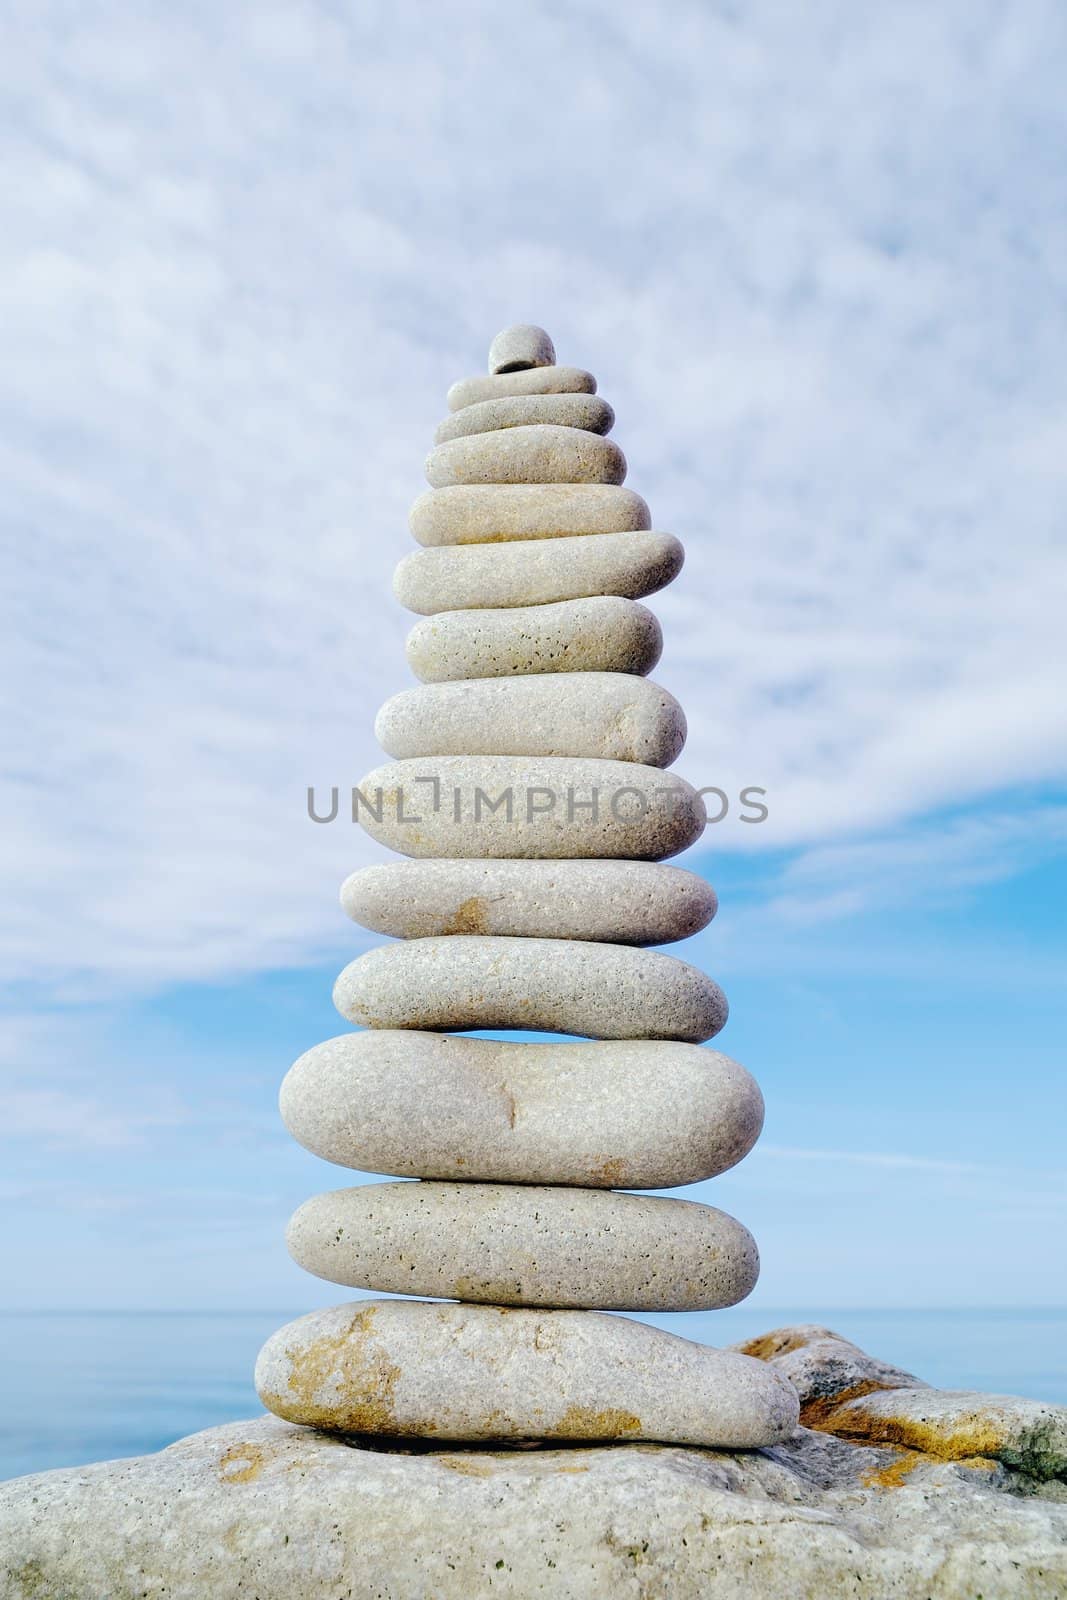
pixel 86 1386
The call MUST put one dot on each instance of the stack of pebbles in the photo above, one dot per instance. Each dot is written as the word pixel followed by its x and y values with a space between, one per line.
pixel 529 793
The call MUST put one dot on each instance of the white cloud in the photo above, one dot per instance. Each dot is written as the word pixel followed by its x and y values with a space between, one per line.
pixel 816 259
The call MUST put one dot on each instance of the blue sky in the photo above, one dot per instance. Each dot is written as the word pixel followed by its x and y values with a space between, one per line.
pixel 816 259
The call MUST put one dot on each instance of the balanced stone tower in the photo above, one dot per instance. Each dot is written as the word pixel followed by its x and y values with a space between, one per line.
pixel 528 790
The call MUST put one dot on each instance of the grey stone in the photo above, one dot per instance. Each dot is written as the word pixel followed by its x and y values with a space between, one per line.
pixel 603 991
pixel 623 902
pixel 537 453
pixel 547 807
pixel 532 572
pixel 264 1510
pixel 602 634
pixel 522 1244
pixel 586 411
pixel 824 1368
pixel 414 1368
pixel 522 345
pixel 493 513
pixel 631 1114
pixel 531 380
pixel 615 716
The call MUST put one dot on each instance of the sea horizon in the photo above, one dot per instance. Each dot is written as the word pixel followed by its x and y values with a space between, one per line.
pixel 92 1384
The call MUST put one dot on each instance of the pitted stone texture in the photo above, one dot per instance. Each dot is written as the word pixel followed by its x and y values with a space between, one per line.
pixel 409 1367
pixel 621 902
pixel 614 716
pixel 433 807
pixel 824 1368
pixel 602 991
pixel 523 1245
pixel 586 411
pixel 537 453
pixel 522 345
pixel 531 380
pixel 267 1510
pixel 532 572
pixel 632 1114
pixel 496 513
pixel 604 634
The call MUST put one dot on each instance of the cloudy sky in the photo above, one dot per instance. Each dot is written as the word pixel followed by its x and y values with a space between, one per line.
pixel 816 258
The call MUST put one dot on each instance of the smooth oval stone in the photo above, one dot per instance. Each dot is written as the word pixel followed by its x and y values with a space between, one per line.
pixel 526 1245
pixel 622 902
pixel 612 715
pixel 491 513
pixel 586 411
pixel 602 991
pixel 533 572
pixel 417 1368
pixel 626 1114
pixel 603 634
pixel 538 453
pixel 530 380
pixel 522 345
pixel 540 806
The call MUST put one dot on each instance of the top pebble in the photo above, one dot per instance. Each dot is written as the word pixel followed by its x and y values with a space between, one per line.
pixel 519 347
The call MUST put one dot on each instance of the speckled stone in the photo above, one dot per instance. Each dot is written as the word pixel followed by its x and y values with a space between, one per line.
pixel 522 345
pixel 538 453
pixel 433 806
pixel 604 991
pixel 493 513
pixel 522 1244
pixel 611 715
pixel 586 411
pixel 532 380
pixel 602 634
pixel 413 1367
pixel 530 572
pixel 629 1114
pixel 623 902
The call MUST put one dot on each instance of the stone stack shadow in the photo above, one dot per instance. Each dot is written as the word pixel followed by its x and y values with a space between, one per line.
pixel 529 792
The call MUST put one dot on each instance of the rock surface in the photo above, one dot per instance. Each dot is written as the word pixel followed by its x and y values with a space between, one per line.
pixel 534 572
pixel 522 345
pixel 544 807
pixel 529 380
pixel 622 902
pixel 475 1373
pixel 602 634
pixel 613 716
pixel 494 513
pixel 526 1245
pixel 539 452
pixel 604 991
pixel 586 411
pixel 636 1114
pixel 263 1510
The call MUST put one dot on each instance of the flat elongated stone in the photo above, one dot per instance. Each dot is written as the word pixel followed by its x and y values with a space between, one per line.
pixel 522 345
pixel 493 513
pixel 540 453
pixel 512 1244
pixel 622 902
pixel 586 411
pixel 532 572
pixel 604 991
pixel 413 1367
pixel 612 715
pixel 520 806
pixel 629 1114
pixel 531 380
pixel 602 634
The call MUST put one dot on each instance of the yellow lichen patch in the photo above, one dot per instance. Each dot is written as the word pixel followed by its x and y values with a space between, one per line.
pixel 769 1345
pixel 611 1172
pixel 895 1473
pixel 241 1463
pixel 951 1440
pixel 345 1383
pixel 469 1466
pixel 583 1422
pixel 822 1410
pixel 471 916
